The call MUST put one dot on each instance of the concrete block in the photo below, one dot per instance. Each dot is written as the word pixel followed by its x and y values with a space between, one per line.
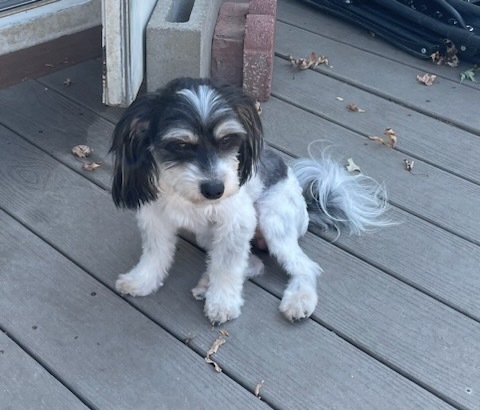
pixel 179 40
pixel 227 44
pixel 258 55
pixel 263 7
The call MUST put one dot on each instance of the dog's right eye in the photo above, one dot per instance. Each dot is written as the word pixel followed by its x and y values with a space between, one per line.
pixel 181 146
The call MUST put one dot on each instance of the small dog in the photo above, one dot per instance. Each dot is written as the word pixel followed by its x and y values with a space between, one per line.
pixel 191 156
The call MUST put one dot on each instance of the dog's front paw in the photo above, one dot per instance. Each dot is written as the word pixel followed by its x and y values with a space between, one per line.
pixel 299 303
pixel 221 308
pixel 136 284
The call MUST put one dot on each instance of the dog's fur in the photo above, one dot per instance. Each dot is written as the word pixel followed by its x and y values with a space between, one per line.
pixel 191 156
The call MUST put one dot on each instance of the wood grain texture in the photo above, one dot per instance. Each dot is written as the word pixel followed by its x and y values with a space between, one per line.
pixel 409 332
pixel 105 243
pixel 25 384
pixel 300 14
pixel 445 100
pixel 40 115
pixel 419 252
pixel 447 265
pixel 51 56
pixel 452 202
pixel 107 351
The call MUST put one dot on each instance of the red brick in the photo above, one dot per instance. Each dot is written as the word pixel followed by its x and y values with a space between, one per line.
pixel 263 7
pixel 258 55
pixel 227 44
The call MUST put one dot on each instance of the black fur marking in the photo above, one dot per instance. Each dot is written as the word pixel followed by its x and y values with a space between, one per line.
pixel 271 167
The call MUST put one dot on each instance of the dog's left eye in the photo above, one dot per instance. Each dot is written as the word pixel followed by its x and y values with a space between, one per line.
pixel 227 140
pixel 181 146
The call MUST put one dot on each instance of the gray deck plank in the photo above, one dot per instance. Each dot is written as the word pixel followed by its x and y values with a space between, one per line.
pixel 25 384
pixel 251 357
pixel 446 99
pixel 415 134
pixel 421 136
pixel 296 13
pixel 62 123
pixel 410 332
pixel 104 349
pixel 448 270
pixel 446 266
pixel 452 202
pixel 109 253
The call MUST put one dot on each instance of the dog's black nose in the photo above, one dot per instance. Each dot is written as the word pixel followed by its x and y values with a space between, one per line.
pixel 212 190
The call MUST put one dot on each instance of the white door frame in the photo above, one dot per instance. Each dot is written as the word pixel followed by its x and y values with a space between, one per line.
pixel 124 23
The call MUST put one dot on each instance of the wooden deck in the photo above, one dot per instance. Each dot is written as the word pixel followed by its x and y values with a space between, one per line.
pixel 397 325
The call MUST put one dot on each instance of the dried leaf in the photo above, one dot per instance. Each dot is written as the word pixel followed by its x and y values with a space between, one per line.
pixel 408 164
pixel 258 107
pixel 426 78
pixel 352 167
pixel 217 368
pixel 312 61
pixel 469 74
pixel 450 57
pixel 224 332
pixel 67 82
pixel 354 107
pixel 91 166
pixel 213 349
pixel 81 151
pixel 391 136
pixel 257 389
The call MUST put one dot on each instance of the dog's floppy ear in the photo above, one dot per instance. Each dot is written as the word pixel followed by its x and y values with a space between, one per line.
pixel 251 148
pixel 135 170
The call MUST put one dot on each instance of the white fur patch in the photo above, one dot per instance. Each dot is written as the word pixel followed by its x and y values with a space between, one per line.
pixel 206 101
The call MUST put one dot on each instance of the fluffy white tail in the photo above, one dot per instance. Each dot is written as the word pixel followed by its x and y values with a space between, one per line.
pixel 338 199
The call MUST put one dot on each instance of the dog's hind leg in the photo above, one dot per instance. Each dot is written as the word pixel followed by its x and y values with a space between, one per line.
pixel 282 219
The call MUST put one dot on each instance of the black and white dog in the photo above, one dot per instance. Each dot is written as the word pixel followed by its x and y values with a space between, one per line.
pixel 191 156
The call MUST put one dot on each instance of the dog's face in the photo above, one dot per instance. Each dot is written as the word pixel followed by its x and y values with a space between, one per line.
pixel 197 140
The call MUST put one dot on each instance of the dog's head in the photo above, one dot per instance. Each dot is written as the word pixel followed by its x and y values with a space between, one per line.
pixel 196 139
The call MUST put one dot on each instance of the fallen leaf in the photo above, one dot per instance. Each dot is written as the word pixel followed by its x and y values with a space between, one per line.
pixel 426 78
pixel 67 82
pixel 354 107
pixel 213 349
pixel 408 164
pixel 91 166
pixel 450 57
pixel 392 138
pixel 81 151
pixel 257 389
pixel 469 74
pixel 224 332
pixel 352 167
pixel 258 107
pixel 312 61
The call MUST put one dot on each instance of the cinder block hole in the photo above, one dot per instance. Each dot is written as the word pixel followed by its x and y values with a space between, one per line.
pixel 180 11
